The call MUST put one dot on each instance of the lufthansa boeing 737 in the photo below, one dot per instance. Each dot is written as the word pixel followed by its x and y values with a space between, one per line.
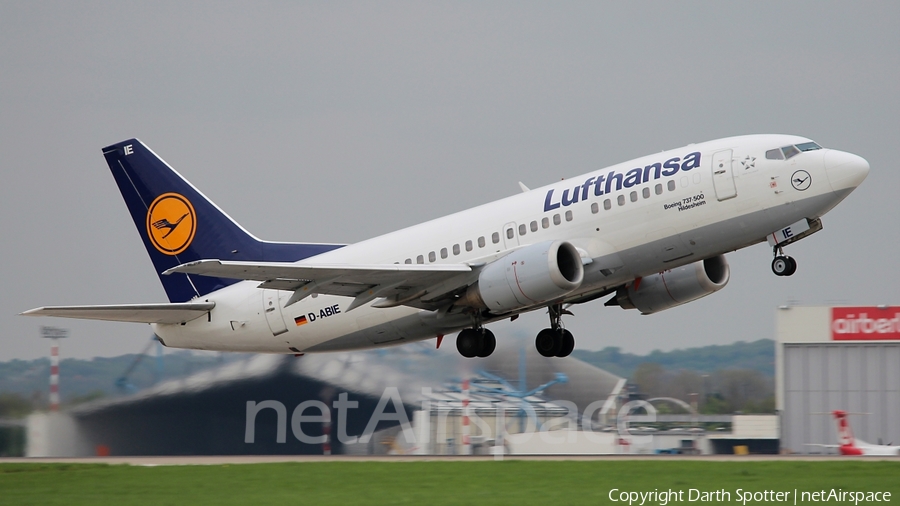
pixel 650 234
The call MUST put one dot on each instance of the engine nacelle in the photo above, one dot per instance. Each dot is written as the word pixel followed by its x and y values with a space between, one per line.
pixel 528 276
pixel 675 287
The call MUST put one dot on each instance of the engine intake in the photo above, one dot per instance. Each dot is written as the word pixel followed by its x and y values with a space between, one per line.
pixel 674 287
pixel 532 275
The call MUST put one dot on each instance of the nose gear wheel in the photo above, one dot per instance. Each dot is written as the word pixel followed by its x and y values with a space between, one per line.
pixel 783 265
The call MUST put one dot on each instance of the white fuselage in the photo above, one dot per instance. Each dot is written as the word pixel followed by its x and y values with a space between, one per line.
pixel 876 450
pixel 717 197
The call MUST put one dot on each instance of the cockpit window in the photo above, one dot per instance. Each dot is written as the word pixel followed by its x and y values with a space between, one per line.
pixel 808 146
pixel 790 151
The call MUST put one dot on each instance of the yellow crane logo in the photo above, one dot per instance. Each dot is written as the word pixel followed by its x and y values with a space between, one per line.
pixel 171 223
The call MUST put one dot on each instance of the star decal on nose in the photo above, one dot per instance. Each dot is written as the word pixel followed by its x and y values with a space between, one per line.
pixel 749 162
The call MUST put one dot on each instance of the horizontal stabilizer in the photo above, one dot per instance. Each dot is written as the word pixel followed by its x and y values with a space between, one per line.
pixel 136 313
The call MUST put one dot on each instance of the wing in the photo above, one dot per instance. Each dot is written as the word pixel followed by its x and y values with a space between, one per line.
pixel 416 285
pixel 136 313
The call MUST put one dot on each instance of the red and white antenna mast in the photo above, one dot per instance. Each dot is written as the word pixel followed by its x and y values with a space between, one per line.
pixel 55 334
pixel 466 443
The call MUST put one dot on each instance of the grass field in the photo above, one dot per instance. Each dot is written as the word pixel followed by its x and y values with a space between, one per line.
pixel 428 483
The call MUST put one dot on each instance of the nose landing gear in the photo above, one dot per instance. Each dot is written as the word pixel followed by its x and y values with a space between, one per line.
pixel 783 265
pixel 555 341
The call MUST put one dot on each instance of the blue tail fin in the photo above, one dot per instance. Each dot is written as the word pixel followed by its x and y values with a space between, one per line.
pixel 178 224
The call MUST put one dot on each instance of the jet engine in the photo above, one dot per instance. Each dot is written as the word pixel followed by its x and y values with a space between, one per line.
pixel 528 276
pixel 674 287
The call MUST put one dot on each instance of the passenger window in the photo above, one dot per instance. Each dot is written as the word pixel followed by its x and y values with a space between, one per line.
pixel 510 233
pixel 495 237
pixel 568 215
pixel 774 154
pixel 534 226
pixel 444 253
pixel 522 229
pixel 595 208
pixel 556 220
pixel 408 261
pixel 790 151
pixel 545 223
pixel 481 242
pixel 456 249
pixel 621 200
pixel 431 256
pixel 671 185
pixel 646 192
pixel 468 245
pixel 420 259
pixel 658 189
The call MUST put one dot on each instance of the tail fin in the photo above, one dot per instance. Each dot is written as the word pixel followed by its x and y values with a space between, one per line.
pixel 845 435
pixel 178 224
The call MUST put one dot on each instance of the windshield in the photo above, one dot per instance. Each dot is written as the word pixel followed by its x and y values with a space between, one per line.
pixel 808 146
pixel 791 151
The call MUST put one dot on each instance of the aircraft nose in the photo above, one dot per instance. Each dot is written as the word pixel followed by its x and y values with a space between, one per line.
pixel 845 170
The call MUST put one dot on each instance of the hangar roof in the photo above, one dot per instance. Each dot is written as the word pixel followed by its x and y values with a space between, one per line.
pixel 409 368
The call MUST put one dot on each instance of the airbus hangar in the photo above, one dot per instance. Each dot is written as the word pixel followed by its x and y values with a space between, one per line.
pixel 837 358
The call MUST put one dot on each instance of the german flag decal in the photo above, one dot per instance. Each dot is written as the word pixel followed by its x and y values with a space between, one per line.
pixel 300 320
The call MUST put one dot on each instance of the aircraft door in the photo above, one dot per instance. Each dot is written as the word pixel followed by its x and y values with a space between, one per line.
pixel 723 175
pixel 510 236
pixel 272 308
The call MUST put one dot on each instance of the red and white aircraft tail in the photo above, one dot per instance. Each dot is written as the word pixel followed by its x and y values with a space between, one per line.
pixel 849 445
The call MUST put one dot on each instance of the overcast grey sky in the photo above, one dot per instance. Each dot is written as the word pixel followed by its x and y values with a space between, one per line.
pixel 336 122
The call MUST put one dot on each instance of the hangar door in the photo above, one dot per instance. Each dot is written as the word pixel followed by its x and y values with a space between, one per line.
pixel 859 378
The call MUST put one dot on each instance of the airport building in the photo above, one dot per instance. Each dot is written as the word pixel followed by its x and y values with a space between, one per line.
pixel 326 403
pixel 827 358
pixel 837 358
pixel 409 400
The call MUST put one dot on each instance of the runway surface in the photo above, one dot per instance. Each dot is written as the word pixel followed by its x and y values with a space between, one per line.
pixel 259 459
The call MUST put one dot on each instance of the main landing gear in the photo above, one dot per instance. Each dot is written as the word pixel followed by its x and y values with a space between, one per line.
pixel 477 342
pixel 555 341
pixel 783 265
